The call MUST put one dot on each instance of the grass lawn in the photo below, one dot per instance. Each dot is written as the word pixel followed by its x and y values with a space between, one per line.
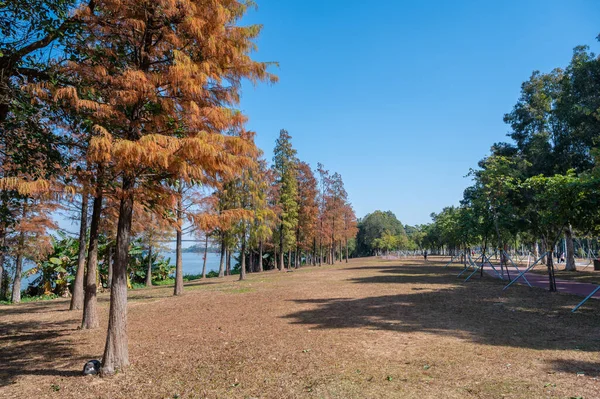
pixel 367 329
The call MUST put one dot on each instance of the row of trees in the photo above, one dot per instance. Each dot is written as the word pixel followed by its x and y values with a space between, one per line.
pixel 545 183
pixel 130 106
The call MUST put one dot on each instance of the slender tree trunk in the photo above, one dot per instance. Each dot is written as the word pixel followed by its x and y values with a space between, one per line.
pixel 243 258
pixel 260 256
pixel 2 270
pixel 346 249
pixel 16 291
pixel 178 290
pixel 77 298
pixel 570 255
pixel 281 265
pixel 252 264
pixel 289 261
pixel 110 266
pixel 2 275
pixel 205 256
pixel 90 312
pixel 3 284
pixel 222 261
pixel 228 270
pixel 321 253
pixel 149 271
pixel 116 351
pixel 550 266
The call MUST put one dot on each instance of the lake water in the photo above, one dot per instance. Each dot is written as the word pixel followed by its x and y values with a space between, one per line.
pixel 192 262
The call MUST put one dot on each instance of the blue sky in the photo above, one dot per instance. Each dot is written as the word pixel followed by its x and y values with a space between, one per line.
pixel 402 98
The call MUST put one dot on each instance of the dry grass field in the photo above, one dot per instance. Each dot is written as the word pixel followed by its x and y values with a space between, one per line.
pixel 367 329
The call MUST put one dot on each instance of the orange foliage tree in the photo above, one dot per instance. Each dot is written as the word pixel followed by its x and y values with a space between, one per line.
pixel 159 80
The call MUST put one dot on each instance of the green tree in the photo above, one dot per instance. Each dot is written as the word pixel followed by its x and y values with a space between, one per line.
pixel 372 227
pixel 284 166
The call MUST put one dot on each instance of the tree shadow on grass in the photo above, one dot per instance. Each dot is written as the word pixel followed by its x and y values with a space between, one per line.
pixel 405 275
pixel 36 348
pixel 590 369
pixel 477 311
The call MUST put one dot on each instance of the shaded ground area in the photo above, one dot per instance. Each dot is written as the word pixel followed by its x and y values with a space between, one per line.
pixel 583 276
pixel 372 328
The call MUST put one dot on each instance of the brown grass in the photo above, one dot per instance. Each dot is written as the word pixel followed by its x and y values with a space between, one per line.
pixel 370 329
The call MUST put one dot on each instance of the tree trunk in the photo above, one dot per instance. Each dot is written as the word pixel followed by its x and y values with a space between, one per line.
pixel 260 256
pixel 178 260
pixel 252 265
pixel 110 266
pixel 116 352
pixel 281 248
pixel 550 266
pixel 77 298
pixel 16 291
pixel 205 256
pixel 289 261
pixel 570 255
pixel 222 261
pixel 2 270
pixel 228 262
pixel 346 249
pixel 90 312
pixel 149 271
pixel 243 258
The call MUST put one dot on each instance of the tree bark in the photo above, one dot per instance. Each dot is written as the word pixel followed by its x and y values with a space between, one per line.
pixel 149 270
pixel 16 291
pixel 228 269
pixel 260 256
pixel 243 257
pixel 570 255
pixel 251 260
pixel 320 252
pixel 178 290
pixel 110 266
pixel 289 260
pixel 116 352
pixel 346 249
pixel 222 261
pixel 77 298
pixel 550 266
pixel 90 312
pixel 281 248
pixel 205 256
pixel 2 270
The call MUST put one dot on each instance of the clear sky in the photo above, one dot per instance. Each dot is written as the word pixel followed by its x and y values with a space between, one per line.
pixel 403 97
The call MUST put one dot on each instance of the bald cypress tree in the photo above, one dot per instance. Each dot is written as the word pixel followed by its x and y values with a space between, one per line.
pixel 158 82
pixel 284 166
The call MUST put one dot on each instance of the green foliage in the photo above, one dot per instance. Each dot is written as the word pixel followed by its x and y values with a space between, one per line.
pixel 373 227
pixel 57 271
pixel 284 166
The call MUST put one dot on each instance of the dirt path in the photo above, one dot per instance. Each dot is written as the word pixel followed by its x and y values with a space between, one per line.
pixel 370 329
